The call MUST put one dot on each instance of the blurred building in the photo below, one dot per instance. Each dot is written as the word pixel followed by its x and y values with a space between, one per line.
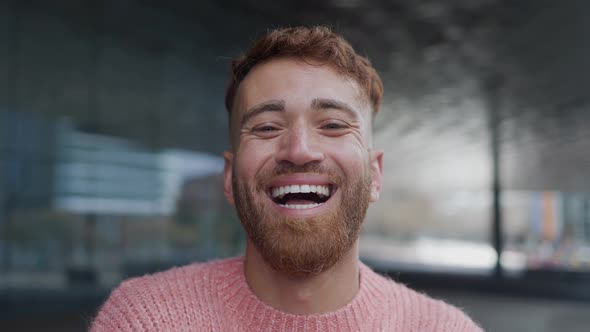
pixel 47 163
pixel 96 181
pixel 27 160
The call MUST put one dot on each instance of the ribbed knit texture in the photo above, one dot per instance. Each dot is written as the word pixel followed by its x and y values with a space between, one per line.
pixel 215 297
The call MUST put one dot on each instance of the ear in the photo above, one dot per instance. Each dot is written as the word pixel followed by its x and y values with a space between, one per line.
pixel 376 173
pixel 228 158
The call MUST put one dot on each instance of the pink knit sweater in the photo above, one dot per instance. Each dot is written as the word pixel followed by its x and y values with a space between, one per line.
pixel 215 297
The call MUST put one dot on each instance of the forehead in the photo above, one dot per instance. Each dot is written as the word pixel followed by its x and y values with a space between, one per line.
pixel 297 82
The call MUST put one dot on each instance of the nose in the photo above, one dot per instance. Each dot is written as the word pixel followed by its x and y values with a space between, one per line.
pixel 298 146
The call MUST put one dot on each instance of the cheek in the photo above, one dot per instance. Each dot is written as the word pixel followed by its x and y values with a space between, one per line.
pixel 251 158
pixel 351 157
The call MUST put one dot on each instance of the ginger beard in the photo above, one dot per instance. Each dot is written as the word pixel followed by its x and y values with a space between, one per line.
pixel 302 246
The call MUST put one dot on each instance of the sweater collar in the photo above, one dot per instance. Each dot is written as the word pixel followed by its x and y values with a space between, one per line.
pixel 248 311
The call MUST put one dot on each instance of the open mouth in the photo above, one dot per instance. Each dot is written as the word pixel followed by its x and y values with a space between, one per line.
pixel 301 196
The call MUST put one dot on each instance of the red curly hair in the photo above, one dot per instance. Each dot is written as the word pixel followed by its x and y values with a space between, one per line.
pixel 318 43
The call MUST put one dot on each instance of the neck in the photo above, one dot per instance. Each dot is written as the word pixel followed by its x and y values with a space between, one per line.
pixel 314 294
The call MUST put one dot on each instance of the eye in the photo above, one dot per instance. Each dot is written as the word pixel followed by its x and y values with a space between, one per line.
pixel 265 129
pixel 334 125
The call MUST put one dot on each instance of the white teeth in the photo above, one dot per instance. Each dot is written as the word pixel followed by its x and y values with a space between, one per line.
pixel 323 190
pixel 300 206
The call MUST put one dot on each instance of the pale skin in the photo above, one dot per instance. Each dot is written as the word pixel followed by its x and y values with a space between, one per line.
pixel 290 111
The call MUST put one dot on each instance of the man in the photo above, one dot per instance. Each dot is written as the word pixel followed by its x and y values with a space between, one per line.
pixel 301 172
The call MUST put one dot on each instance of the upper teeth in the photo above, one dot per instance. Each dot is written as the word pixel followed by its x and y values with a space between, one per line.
pixel 304 188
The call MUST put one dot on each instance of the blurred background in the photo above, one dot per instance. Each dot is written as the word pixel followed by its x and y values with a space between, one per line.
pixel 112 126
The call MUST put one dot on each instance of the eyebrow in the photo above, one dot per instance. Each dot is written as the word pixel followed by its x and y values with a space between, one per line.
pixel 268 106
pixel 279 106
pixel 324 103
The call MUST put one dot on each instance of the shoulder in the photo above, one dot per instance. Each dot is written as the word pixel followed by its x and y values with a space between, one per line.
pixel 419 312
pixel 161 299
pixel 172 282
pixel 437 315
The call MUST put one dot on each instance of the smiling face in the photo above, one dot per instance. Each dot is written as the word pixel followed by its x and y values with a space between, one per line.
pixel 301 172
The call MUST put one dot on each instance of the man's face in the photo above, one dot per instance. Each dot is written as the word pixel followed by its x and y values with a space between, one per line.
pixel 301 173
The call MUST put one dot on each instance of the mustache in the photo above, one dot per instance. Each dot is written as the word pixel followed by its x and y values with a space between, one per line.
pixel 287 168
pixel 265 178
